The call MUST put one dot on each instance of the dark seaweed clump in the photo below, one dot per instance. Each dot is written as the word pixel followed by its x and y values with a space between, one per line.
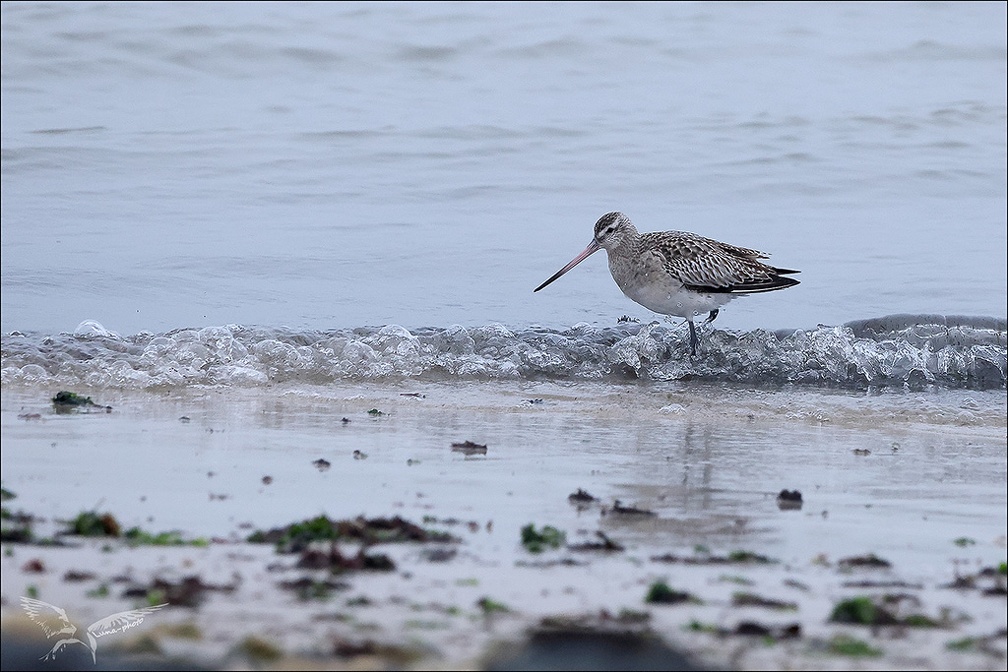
pixel 296 537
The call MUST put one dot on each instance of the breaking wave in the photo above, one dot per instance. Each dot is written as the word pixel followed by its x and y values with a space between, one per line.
pixel 898 350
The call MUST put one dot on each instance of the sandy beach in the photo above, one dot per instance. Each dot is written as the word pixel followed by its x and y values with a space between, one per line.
pixel 902 504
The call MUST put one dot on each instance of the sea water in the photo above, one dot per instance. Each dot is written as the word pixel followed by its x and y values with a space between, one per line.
pixel 371 189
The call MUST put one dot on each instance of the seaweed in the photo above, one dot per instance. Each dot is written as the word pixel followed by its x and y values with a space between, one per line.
pixel 296 537
pixel 845 645
pixel 95 524
pixel 536 541
pixel 469 448
pixel 69 402
pixel 661 593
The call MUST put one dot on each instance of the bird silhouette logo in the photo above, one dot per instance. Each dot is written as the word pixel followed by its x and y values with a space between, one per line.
pixel 55 623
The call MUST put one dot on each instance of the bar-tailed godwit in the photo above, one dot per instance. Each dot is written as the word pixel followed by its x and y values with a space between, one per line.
pixel 678 273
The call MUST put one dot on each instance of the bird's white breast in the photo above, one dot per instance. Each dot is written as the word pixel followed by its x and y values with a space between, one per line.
pixel 650 285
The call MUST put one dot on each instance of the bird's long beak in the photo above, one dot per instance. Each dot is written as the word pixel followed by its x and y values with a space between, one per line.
pixel 592 248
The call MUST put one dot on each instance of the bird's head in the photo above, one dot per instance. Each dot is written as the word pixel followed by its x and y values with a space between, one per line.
pixel 613 230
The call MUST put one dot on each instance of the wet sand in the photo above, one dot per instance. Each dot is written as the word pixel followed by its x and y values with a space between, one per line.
pixel 916 479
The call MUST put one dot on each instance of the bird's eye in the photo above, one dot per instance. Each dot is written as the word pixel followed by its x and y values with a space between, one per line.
pixel 610 229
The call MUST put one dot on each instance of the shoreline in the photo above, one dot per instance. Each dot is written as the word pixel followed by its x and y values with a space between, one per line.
pixel 915 479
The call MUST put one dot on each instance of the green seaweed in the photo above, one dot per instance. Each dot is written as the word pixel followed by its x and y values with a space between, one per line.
pixel 65 398
pixel 750 558
pixel 536 541
pixel 698 626
pixel 489 606
pixel 138 537
pixel 846 645
pixel 661 593
pixel 100 591
pixel 297 536
pixel 919 621
pixel 964 644
pixel 857 610
pixel 95 524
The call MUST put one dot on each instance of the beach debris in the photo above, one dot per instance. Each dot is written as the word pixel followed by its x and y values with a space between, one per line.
pixel 138 537
pixel 395 656
pixel 884 610
pixel 861 452
pixel 95 524
pixel 334 560
pixel 620 510
pixel 705 558
pixel 359 455
pixel 101 591
pixel 34 566
pixel 660 593
pixel 883 584
pixel 789 500
pixel 76 576
pixel 415 395
pixel 258 650
pixel 774 632
pixel 440 554
pixel 489 606
pixel 994 577
pixel 743 599
pixel 581 498
pixel 605 544
pixel 321 464
pixel 549 564
pixel 345 421
pixel 184 419
pixel 861 611
pixel 69 402
pixel 190 591
pixel 534 402
pixel 297 536
pixel 374 412
pixel 29 416
pixel 266 480
pixel 308 588
pixel 992 644
pixel 536 541
pixel 17 527
pixel 469 448
pixel 845 645
pixel 870 561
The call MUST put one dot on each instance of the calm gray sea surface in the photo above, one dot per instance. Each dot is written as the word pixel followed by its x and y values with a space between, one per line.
pixel 328 166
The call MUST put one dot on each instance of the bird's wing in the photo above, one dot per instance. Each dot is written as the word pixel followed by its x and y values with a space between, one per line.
pixel 51 618
pixel 705 264
pixel 123 618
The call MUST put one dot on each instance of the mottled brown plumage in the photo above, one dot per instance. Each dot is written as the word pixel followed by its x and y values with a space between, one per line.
pixel 678 273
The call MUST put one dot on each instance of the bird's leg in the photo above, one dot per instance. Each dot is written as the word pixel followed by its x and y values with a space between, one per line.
pixel 713 316
pixel 692 338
